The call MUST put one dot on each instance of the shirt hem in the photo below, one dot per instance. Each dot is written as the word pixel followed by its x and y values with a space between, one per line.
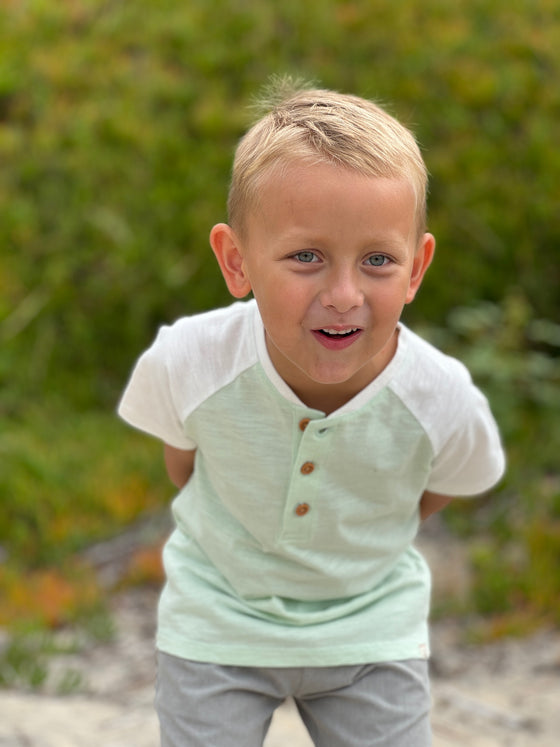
pixel 293 656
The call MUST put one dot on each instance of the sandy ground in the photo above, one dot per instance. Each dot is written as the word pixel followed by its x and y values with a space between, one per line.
pixel 507 693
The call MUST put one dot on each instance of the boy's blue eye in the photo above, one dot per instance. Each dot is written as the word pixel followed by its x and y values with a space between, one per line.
pixel 306 257
pixel 377 260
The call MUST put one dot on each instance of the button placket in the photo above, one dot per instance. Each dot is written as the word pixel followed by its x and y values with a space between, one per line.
pixel 302 500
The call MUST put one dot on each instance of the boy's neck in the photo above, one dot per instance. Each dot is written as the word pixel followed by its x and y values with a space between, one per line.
pixel 331 397
pixel 327 401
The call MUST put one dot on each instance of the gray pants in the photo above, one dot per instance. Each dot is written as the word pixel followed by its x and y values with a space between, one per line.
pixel 376 705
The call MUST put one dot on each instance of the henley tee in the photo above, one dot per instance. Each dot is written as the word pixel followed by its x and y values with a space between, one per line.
pixel 294 535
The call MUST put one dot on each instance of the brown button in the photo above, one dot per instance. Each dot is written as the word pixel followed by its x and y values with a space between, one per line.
pixel 307 468
pixel 304 423
pixel 302 509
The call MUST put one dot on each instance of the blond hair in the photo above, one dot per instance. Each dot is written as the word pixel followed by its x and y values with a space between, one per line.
pixel 322 126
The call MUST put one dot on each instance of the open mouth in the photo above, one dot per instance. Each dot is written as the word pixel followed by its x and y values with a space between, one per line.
pixel 336 339
pixel 338 334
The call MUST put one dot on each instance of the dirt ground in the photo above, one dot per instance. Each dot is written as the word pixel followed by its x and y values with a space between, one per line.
pixel 504 694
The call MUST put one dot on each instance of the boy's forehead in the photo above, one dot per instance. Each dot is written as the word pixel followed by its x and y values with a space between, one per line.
pixel 305 198
pixel 312 181
pixel 284 180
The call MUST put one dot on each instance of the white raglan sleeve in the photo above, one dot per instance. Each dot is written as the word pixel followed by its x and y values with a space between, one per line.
pixel 470 458
pixel 150 402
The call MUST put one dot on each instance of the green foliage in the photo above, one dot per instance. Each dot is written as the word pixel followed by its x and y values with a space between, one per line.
pixel 25 658
pixel 117 127
pixel 22 663
pixel 72 481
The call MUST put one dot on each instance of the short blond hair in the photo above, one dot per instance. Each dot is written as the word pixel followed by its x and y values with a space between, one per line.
pixel 321 126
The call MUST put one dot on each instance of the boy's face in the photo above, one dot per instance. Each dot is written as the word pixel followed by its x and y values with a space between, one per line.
pixel 332 257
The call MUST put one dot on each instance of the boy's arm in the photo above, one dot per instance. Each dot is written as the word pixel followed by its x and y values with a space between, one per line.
pixel 179 463
pixel 432 502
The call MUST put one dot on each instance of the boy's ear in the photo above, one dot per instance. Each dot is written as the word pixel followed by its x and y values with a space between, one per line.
pixel 225 246
pixel 422 260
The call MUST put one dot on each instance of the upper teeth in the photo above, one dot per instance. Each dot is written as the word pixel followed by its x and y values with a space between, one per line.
pixel 339 331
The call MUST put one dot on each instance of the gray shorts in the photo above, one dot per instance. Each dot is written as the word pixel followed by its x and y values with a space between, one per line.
pixel 378 705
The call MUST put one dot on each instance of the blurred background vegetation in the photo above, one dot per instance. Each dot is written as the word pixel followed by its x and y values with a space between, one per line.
pixel 118 122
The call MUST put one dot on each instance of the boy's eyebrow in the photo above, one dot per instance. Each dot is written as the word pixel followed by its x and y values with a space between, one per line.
pixel 387 243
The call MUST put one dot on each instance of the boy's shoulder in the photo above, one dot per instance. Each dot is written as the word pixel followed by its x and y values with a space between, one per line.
pixel 212 321
pixel 435 387
pixel 225 334
pixel 188 362
pixel 427 366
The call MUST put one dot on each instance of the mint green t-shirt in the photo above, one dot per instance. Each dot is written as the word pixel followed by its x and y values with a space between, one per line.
pixel 294 536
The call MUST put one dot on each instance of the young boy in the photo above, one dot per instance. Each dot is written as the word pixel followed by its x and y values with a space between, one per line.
pixel 309 432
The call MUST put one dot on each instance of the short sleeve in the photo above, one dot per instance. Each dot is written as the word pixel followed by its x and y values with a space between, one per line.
pixel 471 459
pixel 148 402
pixel 467 454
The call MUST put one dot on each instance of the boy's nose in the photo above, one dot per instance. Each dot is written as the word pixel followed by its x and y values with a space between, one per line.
pixel 342 293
